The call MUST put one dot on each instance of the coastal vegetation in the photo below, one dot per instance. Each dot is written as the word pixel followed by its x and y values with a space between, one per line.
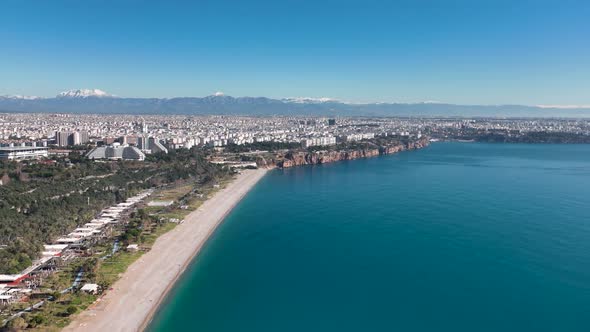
pixel 184 177
pixel 41 201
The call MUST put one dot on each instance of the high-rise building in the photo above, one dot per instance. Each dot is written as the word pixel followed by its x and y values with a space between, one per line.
pixel 74 138
pixel 65 138
pixel 84 137
pixel 61 138
pixel 142 142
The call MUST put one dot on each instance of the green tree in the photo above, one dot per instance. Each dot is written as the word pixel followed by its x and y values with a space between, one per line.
pixel 71 310
pixel 17 324
pixel 37 320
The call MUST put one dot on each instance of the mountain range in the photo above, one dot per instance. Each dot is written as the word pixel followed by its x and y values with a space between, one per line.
pixel 98 101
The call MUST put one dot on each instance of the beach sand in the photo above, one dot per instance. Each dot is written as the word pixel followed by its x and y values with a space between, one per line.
pixel 134 298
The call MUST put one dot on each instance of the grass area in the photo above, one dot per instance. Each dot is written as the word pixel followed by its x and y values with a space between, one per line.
pixel 175 193
pixel 153 209
pixel 151 238
pixel 111 269
pixel 175 214
pixel 63 278
pixel 55 315
pixel 195 201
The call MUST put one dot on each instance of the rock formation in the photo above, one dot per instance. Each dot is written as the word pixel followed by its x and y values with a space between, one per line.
pixel 297 158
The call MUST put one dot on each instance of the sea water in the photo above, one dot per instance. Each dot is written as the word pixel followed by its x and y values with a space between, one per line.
pixel 453 237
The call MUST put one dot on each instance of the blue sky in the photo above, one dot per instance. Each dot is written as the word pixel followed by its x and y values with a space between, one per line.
pixel 463 51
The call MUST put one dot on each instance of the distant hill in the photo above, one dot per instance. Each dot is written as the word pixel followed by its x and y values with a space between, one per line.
pixel 97 101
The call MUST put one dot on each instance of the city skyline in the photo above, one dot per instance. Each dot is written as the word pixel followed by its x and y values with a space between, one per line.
pixel 456 52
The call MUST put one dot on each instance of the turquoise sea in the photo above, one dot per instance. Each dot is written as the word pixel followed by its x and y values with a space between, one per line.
pixel 454 237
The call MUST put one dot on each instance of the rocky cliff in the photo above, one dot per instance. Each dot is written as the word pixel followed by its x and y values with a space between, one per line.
pixel 297 158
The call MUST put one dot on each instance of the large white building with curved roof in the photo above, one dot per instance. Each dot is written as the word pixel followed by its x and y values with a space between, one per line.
pixel 116 151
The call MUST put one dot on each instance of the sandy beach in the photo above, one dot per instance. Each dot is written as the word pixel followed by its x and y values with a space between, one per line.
pixel 130 305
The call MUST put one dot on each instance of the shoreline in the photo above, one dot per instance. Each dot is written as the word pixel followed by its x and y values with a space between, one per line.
pixel 133 300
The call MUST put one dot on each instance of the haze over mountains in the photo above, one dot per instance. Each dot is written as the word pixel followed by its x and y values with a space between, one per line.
pixel 98 101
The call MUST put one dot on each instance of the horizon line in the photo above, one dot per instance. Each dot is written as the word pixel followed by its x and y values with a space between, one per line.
pixel 292 99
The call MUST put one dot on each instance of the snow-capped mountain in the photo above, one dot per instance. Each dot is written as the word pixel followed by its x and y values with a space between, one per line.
pixel 19 97
pixel 83 93
pixel 98 101
pixel 309 100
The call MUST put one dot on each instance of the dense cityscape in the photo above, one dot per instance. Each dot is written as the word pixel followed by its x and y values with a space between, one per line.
pixel 159 133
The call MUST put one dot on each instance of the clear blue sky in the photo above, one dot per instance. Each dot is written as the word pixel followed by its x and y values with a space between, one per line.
pixel 464 51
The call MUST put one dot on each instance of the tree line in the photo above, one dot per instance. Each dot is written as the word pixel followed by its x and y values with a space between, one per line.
pixel 40 201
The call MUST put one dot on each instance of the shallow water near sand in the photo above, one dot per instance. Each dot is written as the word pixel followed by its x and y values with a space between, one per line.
pixel 454 237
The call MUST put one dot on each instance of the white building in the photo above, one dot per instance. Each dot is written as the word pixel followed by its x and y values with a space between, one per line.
pixel 90 288
pixel 358 137
pixel 23 152
pixel 116 151
pixel 318 141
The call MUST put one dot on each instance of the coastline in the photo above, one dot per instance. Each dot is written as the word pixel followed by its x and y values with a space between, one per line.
pixel 137 295
pixel 299 158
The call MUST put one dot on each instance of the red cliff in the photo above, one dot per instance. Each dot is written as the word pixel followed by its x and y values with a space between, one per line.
pixel 297 158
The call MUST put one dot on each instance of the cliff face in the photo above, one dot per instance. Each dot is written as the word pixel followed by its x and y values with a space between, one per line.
pixel 322 157
pixel 413 145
